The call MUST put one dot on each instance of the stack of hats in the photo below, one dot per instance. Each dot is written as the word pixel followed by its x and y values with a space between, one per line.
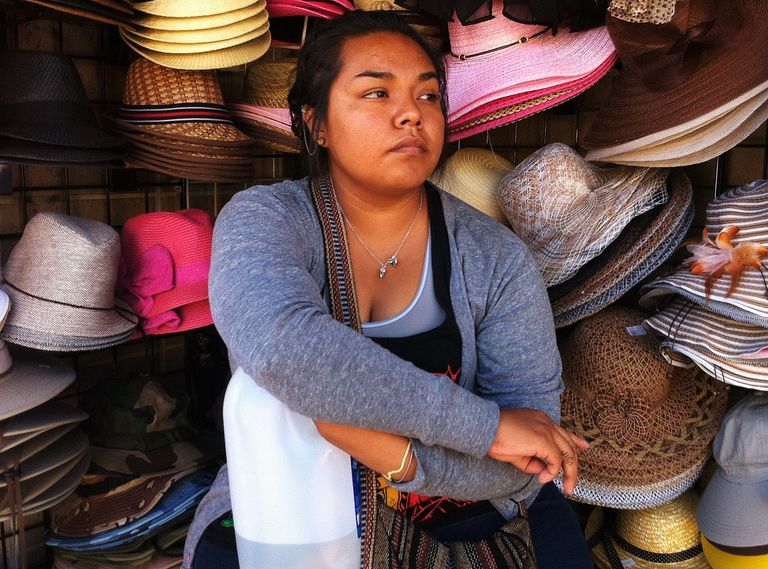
pixel 177 124
pixel 263 113
pixel 45 116
pixel 164 270
pixel 428 27
pixel 664 536
pixel 205 34
pixel 114 12
pixel 663 110
pixel 733 510
pixel 719 320
pixel 150 468
pixel 61 278
pixel 523 68
pixel 650 424
pixel 472 175
pixel 290 19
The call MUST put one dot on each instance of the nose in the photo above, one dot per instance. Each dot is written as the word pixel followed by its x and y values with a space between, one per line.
pixel 409 115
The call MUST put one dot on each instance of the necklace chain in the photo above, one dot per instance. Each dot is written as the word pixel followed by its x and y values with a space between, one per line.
pixel 392 261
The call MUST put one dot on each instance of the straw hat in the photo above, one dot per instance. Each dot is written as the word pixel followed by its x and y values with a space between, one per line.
pixel 185 9
pixel 745 207
pixel 200 44
pixel 642 11
pixel 567 210
pixel 516 58
pixel 28 424
pixel 198 23
pixel 201 36
pixel 664 536
pixel 61 278
pixel 73 445
pixel 648 422
pixel 669 70
pixel 42 101
pixel 472 175
pixel 165 263
pixel 719 558
pixel 634 255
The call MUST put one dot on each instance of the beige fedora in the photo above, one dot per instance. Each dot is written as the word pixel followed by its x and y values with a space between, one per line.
pixel 61 278
pixel 568 211
pixel 472 175
pixel 655 538
pixel 187 9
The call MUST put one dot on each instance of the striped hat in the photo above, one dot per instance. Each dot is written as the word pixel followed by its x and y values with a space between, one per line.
pixel 746 208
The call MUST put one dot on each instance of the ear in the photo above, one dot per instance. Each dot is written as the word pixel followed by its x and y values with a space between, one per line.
pixel 308 116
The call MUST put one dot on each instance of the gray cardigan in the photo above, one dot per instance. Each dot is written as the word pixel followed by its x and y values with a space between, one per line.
pixel 266 293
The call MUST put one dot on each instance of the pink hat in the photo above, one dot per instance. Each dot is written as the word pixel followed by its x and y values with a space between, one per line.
pixel 510 58
pixel 164 269
pixel 286 8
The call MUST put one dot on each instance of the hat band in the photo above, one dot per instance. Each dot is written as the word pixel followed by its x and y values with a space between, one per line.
pixel 741 551
pixel 522 40
pixel 654 557
pixel 178 113
pixel 120 311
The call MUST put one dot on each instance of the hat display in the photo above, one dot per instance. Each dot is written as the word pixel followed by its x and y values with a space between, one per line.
pixel 73 445
pixel 263 110
pixel 740 294
pixel 732 511
pixel 472 175
pixel 166 110
pixel 516 59
pixel 105 11
pixel 648 422
pixel 45 114
pixel 668 70
pixel 20 428
pixel 166 257
pixel 567 210
pixel 629 259
pixel 664 536
pixel 61 279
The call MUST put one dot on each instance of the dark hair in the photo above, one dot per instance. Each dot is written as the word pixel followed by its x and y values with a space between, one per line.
pixel 320 62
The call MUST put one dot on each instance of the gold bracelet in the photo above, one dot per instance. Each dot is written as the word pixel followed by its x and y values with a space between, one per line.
pixel 388 475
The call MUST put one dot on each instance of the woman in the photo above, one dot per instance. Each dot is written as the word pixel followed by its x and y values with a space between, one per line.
pixel 453 388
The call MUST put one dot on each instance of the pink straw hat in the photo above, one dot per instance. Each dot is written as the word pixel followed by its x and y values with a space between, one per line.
pixel 516 58
pixel 165 264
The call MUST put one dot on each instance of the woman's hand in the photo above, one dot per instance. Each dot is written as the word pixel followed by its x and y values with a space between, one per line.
pixel 534 443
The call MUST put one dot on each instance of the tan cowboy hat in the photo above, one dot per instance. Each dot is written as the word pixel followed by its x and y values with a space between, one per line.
pixel 648 422
pixel 473 175
pixel 655 538
pixel 568 211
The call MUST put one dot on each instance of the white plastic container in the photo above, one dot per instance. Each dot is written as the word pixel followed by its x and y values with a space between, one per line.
pixel 292 495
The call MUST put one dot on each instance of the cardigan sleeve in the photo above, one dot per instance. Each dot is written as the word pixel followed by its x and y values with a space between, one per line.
pixel 269 310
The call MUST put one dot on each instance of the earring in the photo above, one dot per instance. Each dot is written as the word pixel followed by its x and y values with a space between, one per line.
pixel 320 140
pixel 304 137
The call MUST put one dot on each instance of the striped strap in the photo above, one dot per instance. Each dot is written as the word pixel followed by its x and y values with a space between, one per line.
pixel 177 113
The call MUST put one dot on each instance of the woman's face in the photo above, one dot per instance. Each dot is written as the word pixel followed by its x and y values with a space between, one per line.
pixel 384 127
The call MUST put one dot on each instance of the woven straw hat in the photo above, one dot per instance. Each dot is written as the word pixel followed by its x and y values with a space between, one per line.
pixel 181 105
pixel 61 278
pixel 472 175
pixel 669 70
pixel 648 422
pixel 747 208
pixel 166 260
pixel 696 141
pixel 185 9
pixel 200 44
pixel 567 210
pixel 634 255
pixel 267 83
pixel 192 23
pixel 642 11
pixel 28 379
pixel 202 36
pixel 749 376
pixel 655 538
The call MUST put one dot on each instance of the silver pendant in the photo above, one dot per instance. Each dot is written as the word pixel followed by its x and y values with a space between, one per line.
pixel 392 260
pixel 382 271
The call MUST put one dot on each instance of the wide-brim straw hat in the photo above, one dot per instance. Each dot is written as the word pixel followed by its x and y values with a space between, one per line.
pixel 231 56
pixel 204 35
pixel 61 278
pixel 669 70
pixel 279 139
pixel 69 447
pixel 636 253
pixel 567 211
pixel 201 45
pixel 180 105
pixel 42 100
pixel 191 23
pixel 516 58
pixel 749 376
pixel 648 422
pixel 20 428
pixel 267 83
pixel 696 141
pixel 747 208
pixel 472 175
pixel 87 513
pixel 654 538
pixel 185 9
pixel 30 379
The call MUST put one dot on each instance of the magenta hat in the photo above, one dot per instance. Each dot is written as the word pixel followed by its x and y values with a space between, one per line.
pixel 510 58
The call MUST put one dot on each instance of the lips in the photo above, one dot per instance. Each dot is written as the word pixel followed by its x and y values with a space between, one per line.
pixel 410 145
